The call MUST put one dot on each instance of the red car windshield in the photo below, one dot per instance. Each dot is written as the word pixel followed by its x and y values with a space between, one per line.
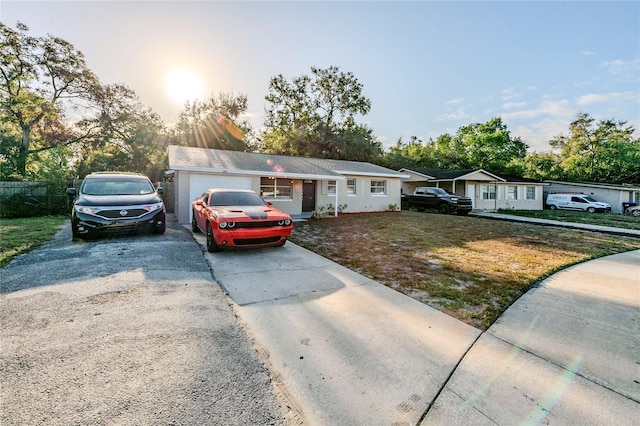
pixel 236 199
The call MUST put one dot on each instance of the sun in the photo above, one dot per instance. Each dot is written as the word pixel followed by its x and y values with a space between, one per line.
pixel 183 85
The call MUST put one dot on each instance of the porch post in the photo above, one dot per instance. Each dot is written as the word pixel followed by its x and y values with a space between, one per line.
pixel 335 208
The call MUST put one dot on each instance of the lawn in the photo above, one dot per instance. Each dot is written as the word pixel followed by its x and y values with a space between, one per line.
pixel 468 267
pixel 19 236
pixel 615 220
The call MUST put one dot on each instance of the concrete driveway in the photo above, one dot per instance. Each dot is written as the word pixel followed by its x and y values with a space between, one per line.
pixel 346 350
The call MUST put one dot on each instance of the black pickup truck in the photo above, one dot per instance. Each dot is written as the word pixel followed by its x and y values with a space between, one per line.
pixel 424 198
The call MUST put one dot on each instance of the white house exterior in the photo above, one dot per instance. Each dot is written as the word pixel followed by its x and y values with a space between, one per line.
pixel 613 194
pixel 296 185
pixel 488 191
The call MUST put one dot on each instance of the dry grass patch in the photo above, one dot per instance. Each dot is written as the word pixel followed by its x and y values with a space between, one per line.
pixel 470 268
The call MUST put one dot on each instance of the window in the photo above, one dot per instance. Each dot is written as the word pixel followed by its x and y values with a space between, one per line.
pixel 531 193
pixel 331 187
pixel 488 192
pixel 512 192
pixel 351 186
pixel 271 187
pixel 378 187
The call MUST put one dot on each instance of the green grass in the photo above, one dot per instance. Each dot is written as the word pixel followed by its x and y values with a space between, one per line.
pixel 615 220
pixel 19 236
pixel 468 267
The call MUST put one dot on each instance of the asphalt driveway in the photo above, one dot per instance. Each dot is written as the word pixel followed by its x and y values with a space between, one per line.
pixel 127 330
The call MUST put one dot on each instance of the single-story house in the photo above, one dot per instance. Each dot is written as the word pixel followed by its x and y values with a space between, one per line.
pixel 614 194
pixel 488 191
pixel 296 185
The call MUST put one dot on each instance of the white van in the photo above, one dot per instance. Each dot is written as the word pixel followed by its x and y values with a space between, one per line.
pixel 577 202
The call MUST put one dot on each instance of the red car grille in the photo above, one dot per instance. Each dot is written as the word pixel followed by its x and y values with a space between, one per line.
pixel 256 224
pixel 255 241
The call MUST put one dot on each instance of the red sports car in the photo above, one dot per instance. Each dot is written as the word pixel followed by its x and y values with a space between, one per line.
pixel 240 219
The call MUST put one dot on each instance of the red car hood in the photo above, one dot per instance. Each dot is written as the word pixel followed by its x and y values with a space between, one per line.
pixel 250 212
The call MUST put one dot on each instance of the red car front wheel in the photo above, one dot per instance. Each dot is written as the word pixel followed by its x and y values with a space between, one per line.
pixel 211 242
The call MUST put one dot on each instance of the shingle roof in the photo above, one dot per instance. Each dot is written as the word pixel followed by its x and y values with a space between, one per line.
pixel 443 174
pixel 234 162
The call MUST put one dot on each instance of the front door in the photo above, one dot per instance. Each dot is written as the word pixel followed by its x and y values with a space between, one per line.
pixel 308 196
pixel 471 193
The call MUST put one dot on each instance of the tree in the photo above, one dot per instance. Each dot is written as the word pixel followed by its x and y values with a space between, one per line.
pixel 542 166
pixel 121 134
pixel 605 151
pixel 487 146
pixel 490 146
pixel 215 123
pixel 38 74
pixel 414 153
pixel 315 116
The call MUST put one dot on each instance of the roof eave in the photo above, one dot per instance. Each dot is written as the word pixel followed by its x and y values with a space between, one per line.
pixel 256 173
pixel 390 175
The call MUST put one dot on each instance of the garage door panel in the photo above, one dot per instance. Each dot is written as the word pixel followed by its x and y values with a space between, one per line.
pixel 199 183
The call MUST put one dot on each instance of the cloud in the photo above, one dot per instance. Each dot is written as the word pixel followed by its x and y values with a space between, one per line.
pixel 455 115
pixel 554 108
pixel 622 68
pixel 514 105
pixel 509 94
pixel 588 53
pixel 537 134
pixel 589 82
pixel 598 98
pixel 455 101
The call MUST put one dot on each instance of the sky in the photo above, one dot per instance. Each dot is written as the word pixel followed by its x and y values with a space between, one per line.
pixel 428 67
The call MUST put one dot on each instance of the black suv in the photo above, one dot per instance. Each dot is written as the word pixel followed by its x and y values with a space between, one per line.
pixel 116 202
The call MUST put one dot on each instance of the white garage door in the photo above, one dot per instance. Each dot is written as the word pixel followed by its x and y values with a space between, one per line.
pixel 201 182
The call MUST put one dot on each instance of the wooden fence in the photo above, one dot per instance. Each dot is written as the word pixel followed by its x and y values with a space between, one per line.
pixel 29 199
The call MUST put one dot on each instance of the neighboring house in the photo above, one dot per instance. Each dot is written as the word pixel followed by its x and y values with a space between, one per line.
pixel 488 191
pixel 296 185
pixel 616 195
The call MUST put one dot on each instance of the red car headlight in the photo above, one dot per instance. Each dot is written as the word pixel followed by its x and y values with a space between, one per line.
pixel 226 224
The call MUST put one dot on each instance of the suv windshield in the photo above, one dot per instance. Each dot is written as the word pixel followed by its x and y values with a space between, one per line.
pixel 116 186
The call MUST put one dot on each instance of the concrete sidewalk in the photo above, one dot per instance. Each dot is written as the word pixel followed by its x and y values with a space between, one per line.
pixel 346 350
pixel 548 222
pixel 566 353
